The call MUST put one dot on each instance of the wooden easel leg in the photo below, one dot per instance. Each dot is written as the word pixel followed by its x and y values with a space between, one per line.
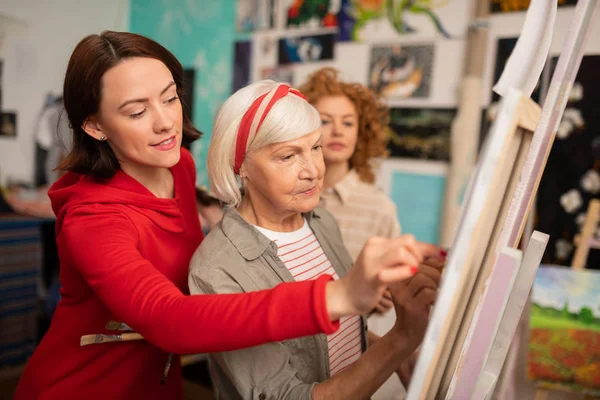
pixel 587 233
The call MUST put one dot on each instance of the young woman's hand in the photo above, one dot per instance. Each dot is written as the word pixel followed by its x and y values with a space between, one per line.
pixel 380 263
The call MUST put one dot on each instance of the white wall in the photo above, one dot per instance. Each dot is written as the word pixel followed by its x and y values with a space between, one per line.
pixel 35 62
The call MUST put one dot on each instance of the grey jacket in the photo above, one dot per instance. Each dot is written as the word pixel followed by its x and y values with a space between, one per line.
pixel 235 257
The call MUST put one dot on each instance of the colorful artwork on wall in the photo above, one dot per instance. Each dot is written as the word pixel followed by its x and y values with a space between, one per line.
pixel 564 345
pixel 422 133
pixel 305 49
pixel 402 71
pixel 497 6
pixel 313 13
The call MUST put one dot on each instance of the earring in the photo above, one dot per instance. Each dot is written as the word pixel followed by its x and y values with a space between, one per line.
pixel 102 138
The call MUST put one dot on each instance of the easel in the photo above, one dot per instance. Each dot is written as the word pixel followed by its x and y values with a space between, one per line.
pixel 586 240
pixel 494 215
pixel 583 243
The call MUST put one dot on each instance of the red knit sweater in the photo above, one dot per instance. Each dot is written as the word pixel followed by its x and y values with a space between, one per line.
pixel 124 256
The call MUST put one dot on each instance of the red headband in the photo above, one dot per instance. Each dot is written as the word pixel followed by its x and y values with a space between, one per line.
pixel 254 117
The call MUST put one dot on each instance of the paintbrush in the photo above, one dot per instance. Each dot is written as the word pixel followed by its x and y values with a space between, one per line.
pixel 102 338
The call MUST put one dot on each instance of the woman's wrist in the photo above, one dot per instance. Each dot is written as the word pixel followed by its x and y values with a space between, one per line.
pixel 339 301
pixel 398 343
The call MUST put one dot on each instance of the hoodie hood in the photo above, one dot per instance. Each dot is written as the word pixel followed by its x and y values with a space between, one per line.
pixel 74 190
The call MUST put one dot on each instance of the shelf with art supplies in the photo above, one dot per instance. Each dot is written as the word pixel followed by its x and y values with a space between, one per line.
pixel 564 344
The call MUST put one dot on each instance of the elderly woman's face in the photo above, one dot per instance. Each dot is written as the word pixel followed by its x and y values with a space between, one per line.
pixel 286 177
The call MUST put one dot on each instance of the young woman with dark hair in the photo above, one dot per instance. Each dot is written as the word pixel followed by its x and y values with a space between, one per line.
pixel 127 227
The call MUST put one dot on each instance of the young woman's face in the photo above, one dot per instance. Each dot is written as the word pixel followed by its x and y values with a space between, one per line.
pixel 140 114
pixel 340 128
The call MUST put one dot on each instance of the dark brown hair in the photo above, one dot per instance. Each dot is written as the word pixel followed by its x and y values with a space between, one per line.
pixel 92 57
pixel 373 117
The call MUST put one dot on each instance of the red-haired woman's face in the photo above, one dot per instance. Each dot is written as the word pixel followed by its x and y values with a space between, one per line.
pixel 140 114
pixel 340 128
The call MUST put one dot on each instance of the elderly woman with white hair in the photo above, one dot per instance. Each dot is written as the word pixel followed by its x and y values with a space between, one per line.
pixel 265 162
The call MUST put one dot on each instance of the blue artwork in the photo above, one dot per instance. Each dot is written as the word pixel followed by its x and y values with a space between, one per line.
pixel 418 198
pixel 306 49
pixel 196 32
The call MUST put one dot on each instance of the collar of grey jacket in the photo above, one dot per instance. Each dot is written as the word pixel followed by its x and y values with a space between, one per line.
pixel 252 245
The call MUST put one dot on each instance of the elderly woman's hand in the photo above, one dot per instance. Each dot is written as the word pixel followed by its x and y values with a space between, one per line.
pixel 380 263
pixel 413 299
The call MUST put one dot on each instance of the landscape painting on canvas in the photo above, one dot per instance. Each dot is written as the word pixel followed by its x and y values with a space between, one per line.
pixel 564 344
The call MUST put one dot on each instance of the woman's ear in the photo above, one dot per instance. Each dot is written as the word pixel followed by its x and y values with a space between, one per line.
pixel 93 128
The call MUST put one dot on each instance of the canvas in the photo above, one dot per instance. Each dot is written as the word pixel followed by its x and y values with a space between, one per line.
pixel 564 346
pixel 402 71
pixel 422 133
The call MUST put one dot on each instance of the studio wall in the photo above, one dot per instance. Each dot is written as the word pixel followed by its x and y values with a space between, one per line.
pixel 34 56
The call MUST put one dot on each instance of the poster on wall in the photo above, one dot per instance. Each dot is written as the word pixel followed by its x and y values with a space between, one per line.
pixel 313 13
pixel 305 49
pixel 564 351
pixel 8 125
pixel 365 19
pixel 242 60
pixel 497 6
pixel 417 189
pixel 572 174
pixel 401 71
pixel 278 74
pixel 253 15
pixel 420 133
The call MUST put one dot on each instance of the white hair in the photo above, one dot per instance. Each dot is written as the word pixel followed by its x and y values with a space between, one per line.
pixel 290 118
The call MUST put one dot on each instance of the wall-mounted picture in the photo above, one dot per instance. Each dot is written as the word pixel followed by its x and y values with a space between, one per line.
pixel 313 13
pixel 254 15
pixel 306 49
pixel 278 74
pixel 401 71
pixel 242 60
pixel 417 189
pixel 564 344
pixel 499 6
pixel 571 177
pixel 8 125
pixel 420 133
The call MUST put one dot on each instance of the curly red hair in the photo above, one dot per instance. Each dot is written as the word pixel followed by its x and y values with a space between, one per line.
pixel 373 117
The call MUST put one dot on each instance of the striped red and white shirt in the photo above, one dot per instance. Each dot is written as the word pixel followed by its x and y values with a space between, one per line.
pixel 303 256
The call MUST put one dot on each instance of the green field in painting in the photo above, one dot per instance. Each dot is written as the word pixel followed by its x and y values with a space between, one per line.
pixel 564 350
